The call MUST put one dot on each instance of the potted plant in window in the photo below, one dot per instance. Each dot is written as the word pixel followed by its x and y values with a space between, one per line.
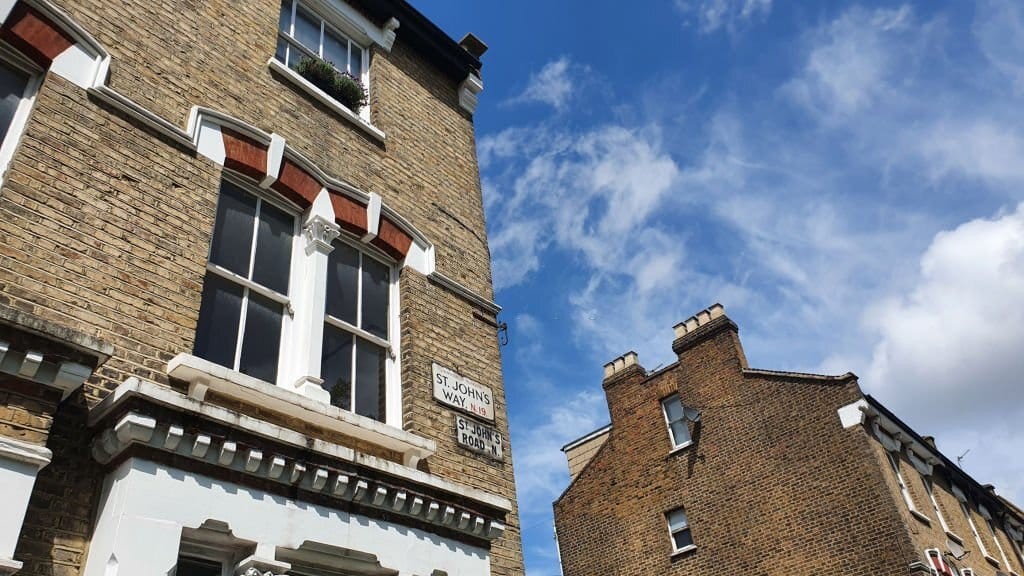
pixel 342 86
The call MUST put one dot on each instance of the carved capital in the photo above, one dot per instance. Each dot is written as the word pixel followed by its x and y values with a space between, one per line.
pixel 388 39
pixel 319 234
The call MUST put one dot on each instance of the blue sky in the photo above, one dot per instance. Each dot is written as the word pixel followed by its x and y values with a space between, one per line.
pixel 846 178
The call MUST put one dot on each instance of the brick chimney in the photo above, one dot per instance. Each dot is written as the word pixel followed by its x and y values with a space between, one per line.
pixel 709 333
pixel 621 378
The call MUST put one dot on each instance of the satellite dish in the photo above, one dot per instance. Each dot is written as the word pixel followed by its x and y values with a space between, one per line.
pixel 691 414
pixel 955 548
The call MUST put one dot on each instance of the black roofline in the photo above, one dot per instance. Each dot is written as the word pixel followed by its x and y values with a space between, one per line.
pixel 425 37
pixel 948 464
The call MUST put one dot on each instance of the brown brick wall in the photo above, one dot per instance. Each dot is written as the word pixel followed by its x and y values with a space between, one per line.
pixel 772 483
pixel 928 533
pixel 26 410
pixel 105 226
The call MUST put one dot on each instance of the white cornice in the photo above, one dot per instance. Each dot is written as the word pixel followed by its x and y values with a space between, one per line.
pixel 11 449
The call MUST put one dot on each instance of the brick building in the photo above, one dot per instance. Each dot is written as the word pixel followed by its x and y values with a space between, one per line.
pixel 246 320
pixel 712 467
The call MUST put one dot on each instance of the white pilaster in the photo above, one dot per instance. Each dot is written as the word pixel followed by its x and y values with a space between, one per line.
pixel 19 464
pixel 319 230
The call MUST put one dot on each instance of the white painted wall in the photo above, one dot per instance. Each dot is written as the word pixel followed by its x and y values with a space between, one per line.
pixel 16 480
pixel 145 506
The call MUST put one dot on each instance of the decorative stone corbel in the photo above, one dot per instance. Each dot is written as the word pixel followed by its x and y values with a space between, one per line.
pixel 388 39
pixel 468 91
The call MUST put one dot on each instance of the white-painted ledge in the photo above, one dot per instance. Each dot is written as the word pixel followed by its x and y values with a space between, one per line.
pixel 135 429
pixel 11 449
pixel 267 396
pixel 306 86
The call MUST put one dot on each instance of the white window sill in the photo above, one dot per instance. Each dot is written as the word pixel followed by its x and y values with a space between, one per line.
pixel 680 448
pixel 992 560
pixel 203 374
pixel 684 550
pixel 921 517
pixel 335 106
pixel 954 537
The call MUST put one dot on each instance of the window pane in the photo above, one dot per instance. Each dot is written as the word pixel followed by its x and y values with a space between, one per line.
pixel 343 282
pixel 285 23
pixel 219 313
pixel 307 30
pixel 376 283
pixel 682 539
pixel 196 567
pixel 336 366
pixel 356 63
pixel 232 232
pixel 673 409
pixel 281 54
pixel 369 380
pixel 262 338
pixel 336 51
pixel 273 248
pixel 680 432
pixel 677 520
pixel 12 88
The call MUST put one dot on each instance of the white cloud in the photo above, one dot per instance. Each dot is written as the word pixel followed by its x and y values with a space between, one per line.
pixel 553 84
pixel 712 15
pixel 850 63
pixel 948 353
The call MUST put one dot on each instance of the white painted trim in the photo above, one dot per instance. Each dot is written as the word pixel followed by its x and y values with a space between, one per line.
pixel 134 387
pixel 209 141
pixel 468 91
pixel 583 440
pixel 352 23
pixel 145 507
pixel 852 414
pixel 17 127
pixel 372 217
pixel 142 114
pixel 11 449
pixel 5 9
pixel 446 282
pixel 278 399
pixel 321 96
pixel 275 157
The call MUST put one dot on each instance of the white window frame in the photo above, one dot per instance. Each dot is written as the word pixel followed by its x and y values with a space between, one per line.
pixel 974 530
pixel 13 59
pixel 995 537
pixel 668 423
pixel 293 359
pixel 685 528
pixel 392 379
pixel 295 268
pixel 929 487
pixel 206 553
pixel 894 461
pixel 337 27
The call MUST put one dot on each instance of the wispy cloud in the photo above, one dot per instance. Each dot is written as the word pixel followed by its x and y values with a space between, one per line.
pixel 850 62
pixel 843 213
pixel 713 15
pixel 552 85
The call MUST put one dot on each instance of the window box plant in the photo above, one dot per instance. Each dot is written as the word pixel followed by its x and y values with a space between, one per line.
pixel 342 86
